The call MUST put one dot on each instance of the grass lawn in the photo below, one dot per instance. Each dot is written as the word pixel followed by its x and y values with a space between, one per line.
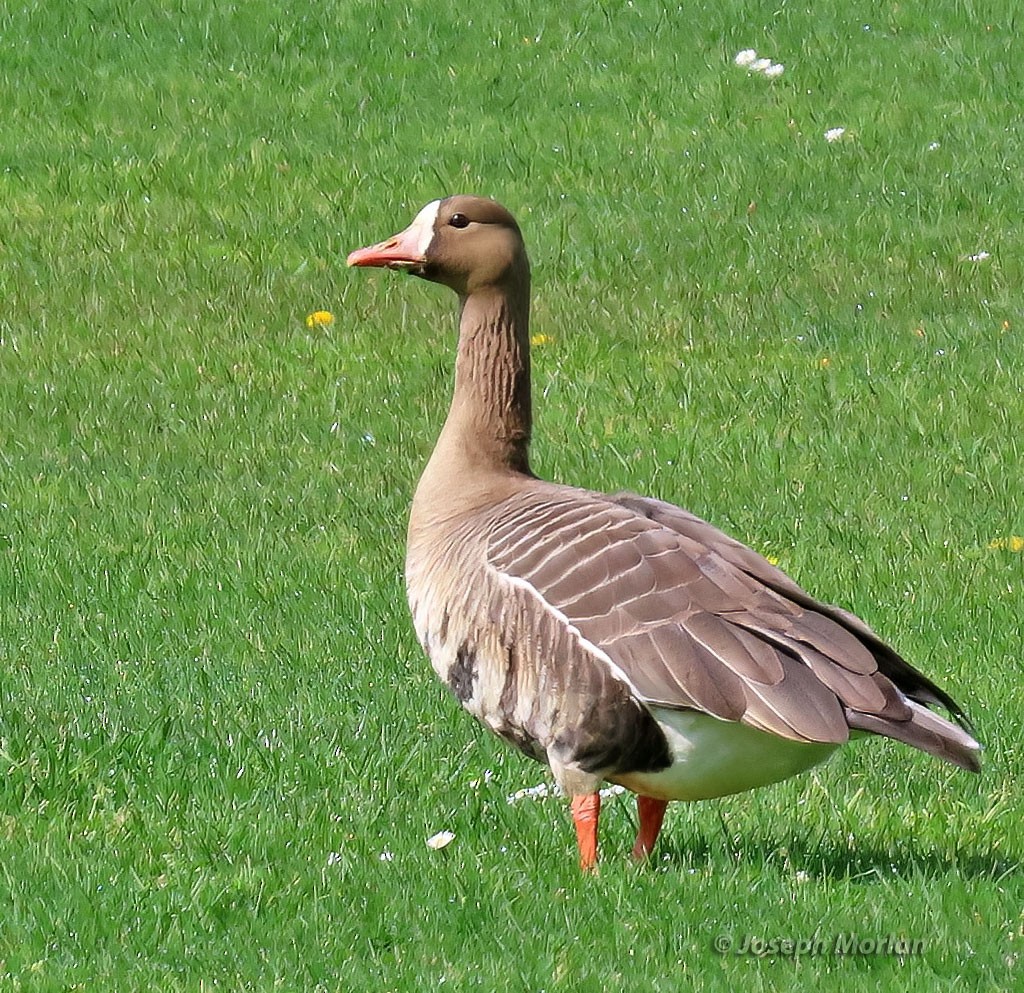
pixel 221 751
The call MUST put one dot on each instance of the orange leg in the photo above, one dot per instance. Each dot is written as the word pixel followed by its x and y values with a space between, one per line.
pixel 585 811
pixel 651 813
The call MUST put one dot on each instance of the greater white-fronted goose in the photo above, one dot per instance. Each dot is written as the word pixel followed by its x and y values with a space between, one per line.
pixel 616 638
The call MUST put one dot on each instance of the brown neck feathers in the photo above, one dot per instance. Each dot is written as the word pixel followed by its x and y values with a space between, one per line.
pixel 491 413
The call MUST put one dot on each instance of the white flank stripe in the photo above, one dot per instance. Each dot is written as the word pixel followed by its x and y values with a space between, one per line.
pixel 572 629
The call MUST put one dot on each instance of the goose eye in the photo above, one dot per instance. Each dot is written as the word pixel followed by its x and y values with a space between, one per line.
pixel 459 221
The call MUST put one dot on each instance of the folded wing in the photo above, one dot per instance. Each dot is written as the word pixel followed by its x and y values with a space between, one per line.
pixel 696 620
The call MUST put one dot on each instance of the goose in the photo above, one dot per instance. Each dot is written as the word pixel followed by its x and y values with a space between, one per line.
pixel 616 638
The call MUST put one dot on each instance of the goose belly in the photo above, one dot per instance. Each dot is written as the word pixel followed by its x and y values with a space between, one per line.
pixel 712 758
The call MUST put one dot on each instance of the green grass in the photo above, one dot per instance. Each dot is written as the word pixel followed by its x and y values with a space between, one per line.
pixel 214 719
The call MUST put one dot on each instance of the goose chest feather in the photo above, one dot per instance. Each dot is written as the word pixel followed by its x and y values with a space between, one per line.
pixel 615 637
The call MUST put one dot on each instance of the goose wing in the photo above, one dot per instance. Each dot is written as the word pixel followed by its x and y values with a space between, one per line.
pixel 913 683
pixel 695 620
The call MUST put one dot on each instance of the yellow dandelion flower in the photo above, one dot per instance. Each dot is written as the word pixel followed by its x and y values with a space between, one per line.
pixel 824 363
pixel 919 332
pixel 1015 543
pixel 540 339
pixel 319 319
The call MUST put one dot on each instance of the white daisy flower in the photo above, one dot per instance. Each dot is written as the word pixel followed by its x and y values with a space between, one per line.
pixel 775 70
pixel 834 134
pixel 760 65
pixel 745 58
pixel 440 840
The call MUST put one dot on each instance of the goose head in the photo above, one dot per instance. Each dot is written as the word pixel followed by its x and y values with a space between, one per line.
pixel 464 242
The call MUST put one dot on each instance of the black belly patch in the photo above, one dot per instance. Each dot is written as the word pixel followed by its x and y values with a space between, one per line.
pixel 529 746
pixel 624 739
pixel 462 674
